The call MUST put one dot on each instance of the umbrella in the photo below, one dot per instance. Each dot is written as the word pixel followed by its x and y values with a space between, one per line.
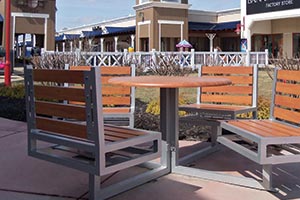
pixel 184 44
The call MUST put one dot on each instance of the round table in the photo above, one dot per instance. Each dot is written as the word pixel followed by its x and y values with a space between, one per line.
pixel 169 89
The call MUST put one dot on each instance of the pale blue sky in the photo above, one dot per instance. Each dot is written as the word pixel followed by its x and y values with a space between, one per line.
pixel 71 13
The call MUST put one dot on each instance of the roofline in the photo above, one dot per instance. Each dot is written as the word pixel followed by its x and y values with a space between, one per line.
pixel 102 23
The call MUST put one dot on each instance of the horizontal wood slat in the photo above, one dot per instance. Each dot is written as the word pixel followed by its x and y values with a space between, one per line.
pixel 120 70
pixel 115 100
pixel 288 88
pixel 266 128
pixel 230 99
pixel 116 90
pixel 62 127
pixel 60 110
pixel 116 110
pixel 287 115
pixel 227 70
pixel 288 102
pixel 236 79
pixel 288 75
pixel 59 93
pixel 229 89
pixel 107 70
pixel 58 76
pixel 203 106
pixel 124 130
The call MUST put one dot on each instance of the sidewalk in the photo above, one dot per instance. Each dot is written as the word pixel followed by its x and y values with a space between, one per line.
pixel 26 178
pixel 15 77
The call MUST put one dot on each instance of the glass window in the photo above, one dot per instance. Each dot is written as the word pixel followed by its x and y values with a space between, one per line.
pixel 296 45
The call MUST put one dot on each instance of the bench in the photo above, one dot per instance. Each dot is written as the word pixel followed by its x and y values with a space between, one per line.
pixel 118 101
pixel 275 140
pixel 225 102
pixel 59 132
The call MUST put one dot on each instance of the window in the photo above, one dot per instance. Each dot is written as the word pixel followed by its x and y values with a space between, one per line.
pixel 296 45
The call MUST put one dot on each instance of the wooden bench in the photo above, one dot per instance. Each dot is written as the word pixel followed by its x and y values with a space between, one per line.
pixel 58 132
pixel 225 102
pixel 283 129
pixel 118 101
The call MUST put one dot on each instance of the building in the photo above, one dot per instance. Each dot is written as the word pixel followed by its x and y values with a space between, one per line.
pixel 30 18
pixel 157 25
pixel 272 25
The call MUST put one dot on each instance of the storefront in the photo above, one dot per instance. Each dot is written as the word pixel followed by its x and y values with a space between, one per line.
pixel 272 25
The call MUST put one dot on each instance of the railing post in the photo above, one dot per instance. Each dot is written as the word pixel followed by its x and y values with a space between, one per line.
pixel 193 58
pixel 153 58
pixel 248 58
pixel 216 61
pixel 125 55
pixel 266 57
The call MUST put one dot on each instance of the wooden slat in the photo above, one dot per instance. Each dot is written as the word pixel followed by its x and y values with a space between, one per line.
pixel 287 115
pixel 110 70
pixel 116 100
pixel 288 88
pixel 128 131
pixel 60 110
pixel 241 100
pixel 116 110
pixel 119 70
pixel 288 75
pixel 288 102
pixel 217 107
pixel 227 70
pixel 107 90
pixel 229 89
pixel 59 93
pixel 62 127
pixel 266 128
pixel 236 79
pixel 58 76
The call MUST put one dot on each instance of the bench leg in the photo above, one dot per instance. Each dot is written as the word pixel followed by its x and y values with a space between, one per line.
pixel 267 178
pixel 94 187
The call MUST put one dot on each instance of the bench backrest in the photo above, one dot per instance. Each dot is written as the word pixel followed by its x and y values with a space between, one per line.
pixel 50 119
pixel 242 91
pixel 116 99
pixel 286 96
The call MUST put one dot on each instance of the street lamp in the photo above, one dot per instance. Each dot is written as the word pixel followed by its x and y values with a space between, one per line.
pixel 7 75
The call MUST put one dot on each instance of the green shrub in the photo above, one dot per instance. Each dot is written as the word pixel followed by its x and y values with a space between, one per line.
pixel 15 92
pixel 263 109
pixel 154 107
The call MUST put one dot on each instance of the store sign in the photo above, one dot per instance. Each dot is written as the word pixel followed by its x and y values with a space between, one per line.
pixel 263 6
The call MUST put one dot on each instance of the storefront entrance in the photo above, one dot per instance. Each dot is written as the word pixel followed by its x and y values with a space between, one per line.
pixel 272 42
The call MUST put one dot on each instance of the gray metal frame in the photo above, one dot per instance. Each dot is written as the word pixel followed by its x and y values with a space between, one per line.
pixel 260 156
pixel 98 148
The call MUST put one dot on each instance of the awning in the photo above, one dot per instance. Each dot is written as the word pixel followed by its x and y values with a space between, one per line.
pixel 118 30
pixel 203 26
pixel 91 34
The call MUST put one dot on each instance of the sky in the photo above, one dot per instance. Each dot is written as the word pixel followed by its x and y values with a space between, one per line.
pixel 72 13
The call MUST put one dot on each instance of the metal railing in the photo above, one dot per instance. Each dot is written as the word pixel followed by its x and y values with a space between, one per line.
pixel 155 58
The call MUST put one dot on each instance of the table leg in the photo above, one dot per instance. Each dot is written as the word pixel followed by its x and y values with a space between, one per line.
pixel 169 125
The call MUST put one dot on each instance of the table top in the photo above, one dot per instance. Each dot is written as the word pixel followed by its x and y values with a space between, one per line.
pixel 169 81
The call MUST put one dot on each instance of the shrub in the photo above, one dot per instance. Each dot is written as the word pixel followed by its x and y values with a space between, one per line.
pixel 154 107
pixel 16 91
pixel 263 109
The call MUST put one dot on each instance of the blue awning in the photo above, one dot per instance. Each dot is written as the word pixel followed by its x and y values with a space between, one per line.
pixel 204 26
pixel 1 18
pixel 59 38
pixel 90 34
pixel 119 30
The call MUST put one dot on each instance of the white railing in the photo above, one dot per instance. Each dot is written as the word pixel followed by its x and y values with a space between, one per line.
pixel 155 58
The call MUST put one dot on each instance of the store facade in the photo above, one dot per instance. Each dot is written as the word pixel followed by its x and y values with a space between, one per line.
pixel 272 25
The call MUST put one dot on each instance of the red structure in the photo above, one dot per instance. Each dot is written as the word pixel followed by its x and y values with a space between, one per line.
pixel 7 72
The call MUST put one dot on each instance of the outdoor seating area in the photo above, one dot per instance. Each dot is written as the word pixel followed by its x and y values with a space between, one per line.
pixel 128 163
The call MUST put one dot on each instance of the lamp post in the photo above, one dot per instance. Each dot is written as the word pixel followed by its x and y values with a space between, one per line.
pixel 7 75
